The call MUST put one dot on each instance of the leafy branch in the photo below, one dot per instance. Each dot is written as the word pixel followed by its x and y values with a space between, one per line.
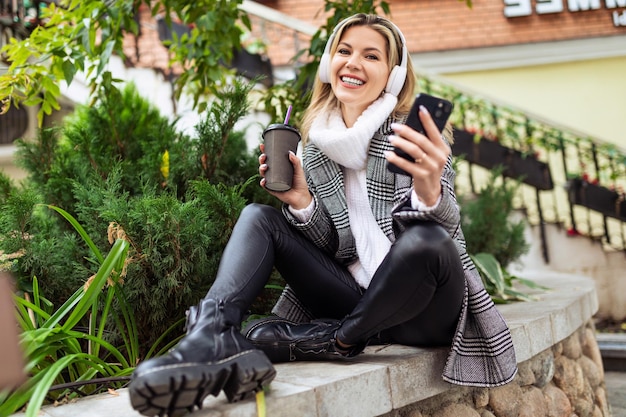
pixel 81 36
pixel 77 37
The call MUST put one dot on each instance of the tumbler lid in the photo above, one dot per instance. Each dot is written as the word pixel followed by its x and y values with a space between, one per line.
pixel 282 126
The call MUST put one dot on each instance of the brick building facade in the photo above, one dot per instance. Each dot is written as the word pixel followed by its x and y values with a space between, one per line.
pixel 443 25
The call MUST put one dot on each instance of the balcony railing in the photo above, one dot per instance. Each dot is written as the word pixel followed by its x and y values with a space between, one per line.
pixel 567 178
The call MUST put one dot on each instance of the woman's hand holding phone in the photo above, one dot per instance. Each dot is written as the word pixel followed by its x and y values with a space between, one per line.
pixel 419 147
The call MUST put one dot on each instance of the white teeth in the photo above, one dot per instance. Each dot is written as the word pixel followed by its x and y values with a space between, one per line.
pixel 351 80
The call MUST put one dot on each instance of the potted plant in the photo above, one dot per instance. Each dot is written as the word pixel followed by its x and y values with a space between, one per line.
pixel 489 153
pixel 583 192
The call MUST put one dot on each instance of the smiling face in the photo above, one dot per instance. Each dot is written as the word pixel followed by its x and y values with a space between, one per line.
pixel 359 70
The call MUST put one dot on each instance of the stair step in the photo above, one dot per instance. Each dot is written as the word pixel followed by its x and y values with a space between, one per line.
pixel 613 350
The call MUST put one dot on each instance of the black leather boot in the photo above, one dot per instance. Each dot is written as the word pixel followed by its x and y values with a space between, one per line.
pixel 213 356
pixel 284 341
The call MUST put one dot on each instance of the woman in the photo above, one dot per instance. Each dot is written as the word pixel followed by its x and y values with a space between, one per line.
pixel 369 256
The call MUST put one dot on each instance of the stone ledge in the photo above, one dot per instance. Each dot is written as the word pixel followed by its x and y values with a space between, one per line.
pixel 383 378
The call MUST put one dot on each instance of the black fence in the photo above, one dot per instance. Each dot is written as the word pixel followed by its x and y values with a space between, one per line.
pixel 568 179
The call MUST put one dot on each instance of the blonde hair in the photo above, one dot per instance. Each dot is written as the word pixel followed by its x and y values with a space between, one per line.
pixel 323 99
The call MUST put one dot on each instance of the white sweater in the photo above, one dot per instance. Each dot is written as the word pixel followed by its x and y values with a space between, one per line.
pixel 371 243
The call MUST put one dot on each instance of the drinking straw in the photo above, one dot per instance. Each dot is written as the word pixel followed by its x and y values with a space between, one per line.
pixel 288 114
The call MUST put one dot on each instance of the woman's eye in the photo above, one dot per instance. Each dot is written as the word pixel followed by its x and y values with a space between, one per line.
pixel 343 51
pixel 373 57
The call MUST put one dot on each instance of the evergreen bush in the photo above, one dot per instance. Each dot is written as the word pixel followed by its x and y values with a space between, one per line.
pixel 120 165
pixel 487 222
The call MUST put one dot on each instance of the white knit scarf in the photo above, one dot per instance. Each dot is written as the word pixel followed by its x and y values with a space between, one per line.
pixel 349 146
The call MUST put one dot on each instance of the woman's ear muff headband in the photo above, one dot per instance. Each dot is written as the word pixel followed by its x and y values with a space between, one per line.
pixel 397 77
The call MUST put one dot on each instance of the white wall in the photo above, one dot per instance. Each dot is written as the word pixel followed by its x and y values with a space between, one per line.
pixel 580 255
pixel 578 85
pixel 587 96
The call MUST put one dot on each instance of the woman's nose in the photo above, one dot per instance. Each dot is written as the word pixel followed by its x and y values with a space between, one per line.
pixel 353 62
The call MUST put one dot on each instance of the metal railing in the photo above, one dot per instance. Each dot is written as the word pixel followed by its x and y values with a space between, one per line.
pixel 572 180
pixel 283 35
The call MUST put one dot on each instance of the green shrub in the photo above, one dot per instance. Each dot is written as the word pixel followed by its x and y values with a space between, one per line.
pixel 64 356
pixel 494 240
pixel 487 222
pixel 176 244
pixel 120 167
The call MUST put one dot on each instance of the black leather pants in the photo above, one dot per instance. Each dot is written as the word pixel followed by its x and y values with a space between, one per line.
pixel 414 298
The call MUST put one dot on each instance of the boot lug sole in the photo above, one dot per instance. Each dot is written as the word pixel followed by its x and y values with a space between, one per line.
pixel 178 389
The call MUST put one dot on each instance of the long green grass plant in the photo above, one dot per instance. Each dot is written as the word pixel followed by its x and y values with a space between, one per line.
pixel 69 344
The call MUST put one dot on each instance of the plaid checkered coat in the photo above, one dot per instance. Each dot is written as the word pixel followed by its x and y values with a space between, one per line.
pixel 482 352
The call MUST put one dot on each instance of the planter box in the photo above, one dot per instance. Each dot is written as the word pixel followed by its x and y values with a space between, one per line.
pixel 597 198
pixel 253 65
pixel 13 124
pixel 247 65
pixel 490 154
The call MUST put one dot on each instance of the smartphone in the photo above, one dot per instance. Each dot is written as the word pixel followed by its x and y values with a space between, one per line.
pixel 439 109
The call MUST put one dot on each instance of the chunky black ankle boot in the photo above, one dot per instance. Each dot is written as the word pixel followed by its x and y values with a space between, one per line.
pixel 213 356
pixel 284 341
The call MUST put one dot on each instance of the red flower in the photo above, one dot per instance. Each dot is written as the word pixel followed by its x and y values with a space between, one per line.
pixel 573 232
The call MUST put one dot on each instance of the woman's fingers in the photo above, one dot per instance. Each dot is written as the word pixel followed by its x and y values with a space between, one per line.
pixel 298 195
pixel 262 164
pixel 432 131
pixel 410 144
pixel 417 145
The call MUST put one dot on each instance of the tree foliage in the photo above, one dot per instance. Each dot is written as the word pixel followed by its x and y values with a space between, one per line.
pixel 81 36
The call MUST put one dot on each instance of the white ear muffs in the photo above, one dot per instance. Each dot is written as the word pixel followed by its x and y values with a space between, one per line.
pixel 324 68
pixel 397 77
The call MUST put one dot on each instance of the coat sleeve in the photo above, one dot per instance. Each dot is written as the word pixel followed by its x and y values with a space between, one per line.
pixel 318 228
pixel 447 212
